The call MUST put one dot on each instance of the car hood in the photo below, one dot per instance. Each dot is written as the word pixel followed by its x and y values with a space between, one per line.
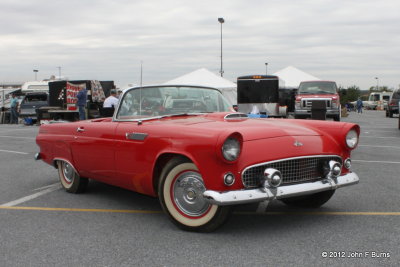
pixel 250 129
pixel 300 96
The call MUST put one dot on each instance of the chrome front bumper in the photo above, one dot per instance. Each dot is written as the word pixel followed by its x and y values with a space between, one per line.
pixel 308 112
pixel 262 194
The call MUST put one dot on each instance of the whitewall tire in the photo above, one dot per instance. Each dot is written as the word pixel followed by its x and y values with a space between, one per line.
pixel 181 196
pixel 70 179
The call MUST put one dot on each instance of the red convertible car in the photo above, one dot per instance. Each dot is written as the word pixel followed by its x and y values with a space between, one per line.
pixel 186 146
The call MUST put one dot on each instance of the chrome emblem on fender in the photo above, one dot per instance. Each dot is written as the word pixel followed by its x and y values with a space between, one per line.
pixel 297 143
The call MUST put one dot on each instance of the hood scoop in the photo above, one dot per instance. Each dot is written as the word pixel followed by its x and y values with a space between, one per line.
pixel 226 116
pixel 235 116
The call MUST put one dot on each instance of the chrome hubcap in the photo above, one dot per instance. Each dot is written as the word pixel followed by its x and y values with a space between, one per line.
pixel 188 191
pixel 68 172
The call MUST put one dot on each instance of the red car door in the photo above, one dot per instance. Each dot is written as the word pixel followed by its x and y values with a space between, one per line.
pixel 136 148
pixel 93 150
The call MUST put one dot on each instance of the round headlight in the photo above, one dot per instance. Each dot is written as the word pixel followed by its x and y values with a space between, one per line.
pixel 231 149
pixel 352 139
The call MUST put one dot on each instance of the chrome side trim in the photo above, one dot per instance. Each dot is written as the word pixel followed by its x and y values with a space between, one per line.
pixel 262 194
pixel 136 136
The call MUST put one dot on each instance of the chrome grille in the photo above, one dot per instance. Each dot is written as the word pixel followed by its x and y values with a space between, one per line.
pixel 294 170
pixel 307 103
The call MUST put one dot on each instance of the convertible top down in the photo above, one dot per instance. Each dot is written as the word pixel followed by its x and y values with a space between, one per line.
pixel 186 146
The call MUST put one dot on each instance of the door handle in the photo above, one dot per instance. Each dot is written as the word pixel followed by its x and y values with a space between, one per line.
pixel 80 129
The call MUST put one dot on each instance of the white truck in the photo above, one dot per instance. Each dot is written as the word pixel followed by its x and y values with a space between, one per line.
pixel 377 100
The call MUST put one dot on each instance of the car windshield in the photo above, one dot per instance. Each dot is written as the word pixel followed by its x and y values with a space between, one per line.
pixel 170 100
pixel 317 88
pixel 374 97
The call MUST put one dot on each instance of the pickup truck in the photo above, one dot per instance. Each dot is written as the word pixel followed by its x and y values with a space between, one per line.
pixel 32 101
pixel 310 91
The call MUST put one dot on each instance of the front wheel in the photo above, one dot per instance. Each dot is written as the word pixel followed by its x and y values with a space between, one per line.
pixel 181 196
pixel 70 179
pixel 311 201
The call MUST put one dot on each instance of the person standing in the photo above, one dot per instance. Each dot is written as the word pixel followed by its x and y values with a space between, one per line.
pixel 81 103
pixel 359 105
pixel 112 100
pixel 14 109
pixel 119 93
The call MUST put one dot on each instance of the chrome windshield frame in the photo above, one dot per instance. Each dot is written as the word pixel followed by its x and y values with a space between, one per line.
pixel 147 118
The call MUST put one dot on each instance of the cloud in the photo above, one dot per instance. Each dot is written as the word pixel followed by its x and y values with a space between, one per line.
pixel 351 42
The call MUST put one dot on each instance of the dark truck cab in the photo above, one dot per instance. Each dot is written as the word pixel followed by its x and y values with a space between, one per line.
pixel 323 91
pixel 259 94
pixel 393 104
pixel 32 101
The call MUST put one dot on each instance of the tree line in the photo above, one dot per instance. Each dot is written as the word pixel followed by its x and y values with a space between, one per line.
pixel 352 93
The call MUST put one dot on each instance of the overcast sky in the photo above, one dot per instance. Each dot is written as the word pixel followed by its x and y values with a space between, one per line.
pixel 349 41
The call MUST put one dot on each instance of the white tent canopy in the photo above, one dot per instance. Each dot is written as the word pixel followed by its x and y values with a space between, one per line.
pixel 292 77
pixel 204 77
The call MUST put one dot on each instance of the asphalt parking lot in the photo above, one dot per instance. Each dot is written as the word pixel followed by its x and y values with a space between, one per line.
pixel 42 225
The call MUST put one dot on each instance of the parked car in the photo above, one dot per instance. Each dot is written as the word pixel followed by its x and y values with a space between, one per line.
pixel 186 146
pixel 393 104
pixel 31 102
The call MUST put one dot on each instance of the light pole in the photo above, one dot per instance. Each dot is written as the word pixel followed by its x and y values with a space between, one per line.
pixel 35 71
pixel 59 73
pixel 266 68
pixel 377 83
pixel 221 20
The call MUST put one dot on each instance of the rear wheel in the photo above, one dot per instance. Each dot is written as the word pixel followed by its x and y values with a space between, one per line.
pixel 181 196
pixel 70 179
pixel 311 201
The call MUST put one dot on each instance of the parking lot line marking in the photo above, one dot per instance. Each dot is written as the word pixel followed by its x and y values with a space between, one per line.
pixel 18 137
pixel 398 147
pixel 343 213
pixel 81 210
pixel 375 161
pixel 384 137
pixel 5 130
pixel 16 152
pixel 47 186
pixel 30 197
pixel 374 130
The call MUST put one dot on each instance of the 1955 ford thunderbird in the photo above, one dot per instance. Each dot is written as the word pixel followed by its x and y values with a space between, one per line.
pixel 184 145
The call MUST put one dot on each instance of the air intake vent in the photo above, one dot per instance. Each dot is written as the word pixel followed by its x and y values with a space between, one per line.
pixel 236 116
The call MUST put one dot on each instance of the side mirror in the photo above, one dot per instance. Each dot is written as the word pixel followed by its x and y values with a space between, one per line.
pixel 235 107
